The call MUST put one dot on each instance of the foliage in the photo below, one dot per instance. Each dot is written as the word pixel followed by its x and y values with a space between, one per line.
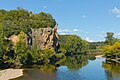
pixel 19 22
pixel 1 38
pixel 95 45
pixel 72 44
pixel 75 62
pixel 111 67
pixel 111 50
pixel 109 38
pixel 15 21
pixel 21 50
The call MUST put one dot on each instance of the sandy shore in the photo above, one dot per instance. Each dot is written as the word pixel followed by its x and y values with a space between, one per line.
pixel 10 73
pixel 99 56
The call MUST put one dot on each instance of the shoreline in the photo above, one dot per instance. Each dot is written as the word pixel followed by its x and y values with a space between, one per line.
pixel 8 74
pixel 99 56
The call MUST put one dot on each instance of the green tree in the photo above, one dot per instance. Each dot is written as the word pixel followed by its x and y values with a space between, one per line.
pixel 71 44
pixel 21 50
pixel 109 38
pixel 19 20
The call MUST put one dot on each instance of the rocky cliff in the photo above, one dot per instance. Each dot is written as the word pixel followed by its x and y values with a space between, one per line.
pixel 42 38
pixel 45 38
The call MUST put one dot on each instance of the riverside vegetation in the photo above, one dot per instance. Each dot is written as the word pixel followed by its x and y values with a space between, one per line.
pixel 16 55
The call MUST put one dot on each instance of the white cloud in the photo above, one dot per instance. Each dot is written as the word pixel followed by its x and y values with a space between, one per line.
pixel 67 31
pixel 117 34
pixel 75 30
pixel 116 10
pixel 64 31
pixel 88 39
pixel 44 7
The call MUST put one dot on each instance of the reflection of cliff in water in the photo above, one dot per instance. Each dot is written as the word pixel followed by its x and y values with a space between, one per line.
pixel 112 70
pixel 75 62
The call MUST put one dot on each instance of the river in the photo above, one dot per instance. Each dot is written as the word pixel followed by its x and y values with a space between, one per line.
pixel 90 70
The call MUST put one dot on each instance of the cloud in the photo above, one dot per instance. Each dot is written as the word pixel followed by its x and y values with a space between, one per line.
pixel 116 11
pixel 68 31
pixel 75 30
pixel 88 39
pixel 64 31
pixel 117 34
pixel 44 7
pixel 83 16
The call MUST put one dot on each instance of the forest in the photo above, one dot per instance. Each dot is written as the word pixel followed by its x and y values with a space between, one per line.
pixel 19 22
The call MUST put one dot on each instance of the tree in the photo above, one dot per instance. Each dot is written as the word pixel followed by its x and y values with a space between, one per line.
pixel 72 44
pixel 109 38
pixel 1 43
pixel 19 20
pixel 113 51
pixel 1 38
pixel 21 50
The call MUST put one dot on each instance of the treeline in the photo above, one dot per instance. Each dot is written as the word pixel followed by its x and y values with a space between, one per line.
pixel 15 21
pixel 73 44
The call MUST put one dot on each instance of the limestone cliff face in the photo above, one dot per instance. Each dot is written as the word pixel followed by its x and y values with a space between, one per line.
pixel 42 38
pixel 14 39
pixel 45 38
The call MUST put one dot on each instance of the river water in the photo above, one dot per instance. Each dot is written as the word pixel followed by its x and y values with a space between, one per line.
pixel 90 70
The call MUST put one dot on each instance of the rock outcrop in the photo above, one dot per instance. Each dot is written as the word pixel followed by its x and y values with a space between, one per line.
pixel 14 39
pixel 42 38
pixel 45 38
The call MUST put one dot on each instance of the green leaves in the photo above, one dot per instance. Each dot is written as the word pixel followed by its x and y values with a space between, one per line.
pixel 72 44
pixel 109 38
pixel 15 21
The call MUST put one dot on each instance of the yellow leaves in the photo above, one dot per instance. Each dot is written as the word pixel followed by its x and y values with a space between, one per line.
pixel 22 35
pixel 106 49
pixel 112 49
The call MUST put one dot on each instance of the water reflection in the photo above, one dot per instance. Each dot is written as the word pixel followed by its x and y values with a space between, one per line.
pixel 112 70
pixel 75 62
pixel 47 72
pixel 77 67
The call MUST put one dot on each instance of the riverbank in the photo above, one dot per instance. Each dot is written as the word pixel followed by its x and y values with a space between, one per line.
pixel 10 73
pixel 99 56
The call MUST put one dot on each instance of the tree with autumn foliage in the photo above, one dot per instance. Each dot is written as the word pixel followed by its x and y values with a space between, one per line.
pixel 113 51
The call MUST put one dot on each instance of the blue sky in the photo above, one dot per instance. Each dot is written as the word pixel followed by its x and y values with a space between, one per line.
pixel 90 19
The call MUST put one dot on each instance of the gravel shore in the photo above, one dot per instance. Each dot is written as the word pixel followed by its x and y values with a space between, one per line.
pixel 7 74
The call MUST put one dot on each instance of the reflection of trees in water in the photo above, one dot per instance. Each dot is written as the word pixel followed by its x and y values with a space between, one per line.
pixel 76 61
pixel 92 57
pixel 112 70
pixel 45 72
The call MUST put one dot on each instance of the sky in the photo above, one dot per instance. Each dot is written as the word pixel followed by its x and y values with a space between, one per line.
pixel 89 19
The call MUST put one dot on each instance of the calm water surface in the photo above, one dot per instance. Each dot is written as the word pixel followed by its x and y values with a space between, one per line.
pixel 92 71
